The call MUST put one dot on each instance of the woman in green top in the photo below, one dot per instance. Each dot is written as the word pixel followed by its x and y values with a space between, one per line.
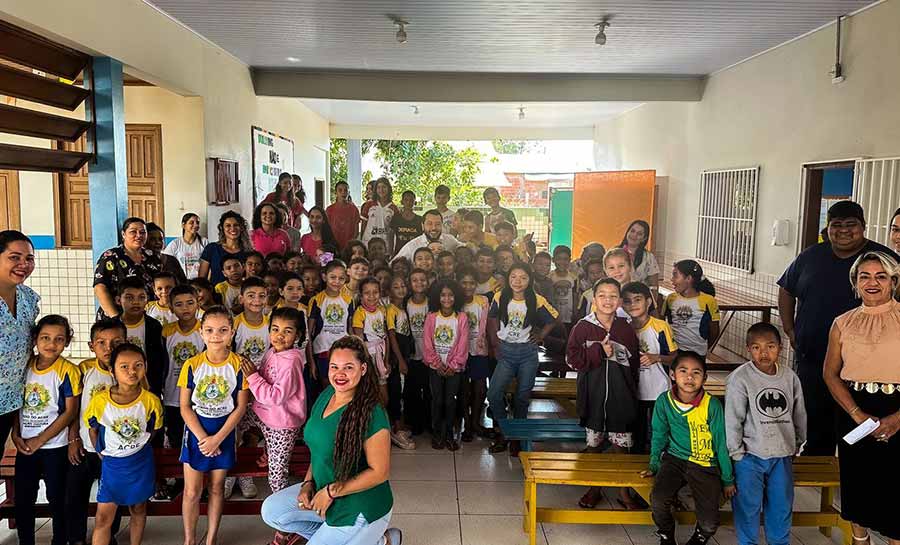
pixel 345 498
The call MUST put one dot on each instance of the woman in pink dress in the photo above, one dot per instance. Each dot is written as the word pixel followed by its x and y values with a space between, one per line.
pixel 320 233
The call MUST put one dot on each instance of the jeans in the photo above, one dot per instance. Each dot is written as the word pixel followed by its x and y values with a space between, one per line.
pixel 444 395
pixel 765 486
pixel 514 361
pixel 706 487
pixel 280 511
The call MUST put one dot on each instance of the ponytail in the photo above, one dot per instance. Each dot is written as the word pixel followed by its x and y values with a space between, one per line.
pixel 689 267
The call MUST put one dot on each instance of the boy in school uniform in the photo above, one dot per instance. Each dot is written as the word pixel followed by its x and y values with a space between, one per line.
pixel 143 331
pixel 688 447
pixel 564 283
pixel 183 341
pixel 230 288
pixel 251 327
pixel 161 309
pixel 497 213
pixel 484 267
pixel 765 426
pixel 441 198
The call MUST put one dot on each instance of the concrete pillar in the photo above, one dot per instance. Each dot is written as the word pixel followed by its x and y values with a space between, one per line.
pixel 354 170
pixel 108 177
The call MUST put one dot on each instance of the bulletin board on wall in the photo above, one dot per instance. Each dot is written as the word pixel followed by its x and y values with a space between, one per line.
pixel 605 203
pixel 272 154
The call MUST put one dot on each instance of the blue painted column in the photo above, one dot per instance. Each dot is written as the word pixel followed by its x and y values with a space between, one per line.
pixel 354 170
pixel 108 177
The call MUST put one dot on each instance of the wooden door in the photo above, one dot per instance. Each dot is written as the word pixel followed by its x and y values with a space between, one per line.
pixel 144 167
pixel 9 200
pixel 144 147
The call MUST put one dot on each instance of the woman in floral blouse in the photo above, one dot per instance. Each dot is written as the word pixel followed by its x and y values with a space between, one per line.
pixel 18 311
pixel 124 261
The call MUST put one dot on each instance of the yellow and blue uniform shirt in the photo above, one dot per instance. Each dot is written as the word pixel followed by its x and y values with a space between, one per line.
pixel 123 430
pixel 45 398
pixel 331 317
pixel 655 338
pixel 163 315
pixel 214 386
pixel 94 380
pixel 691 318
pixel 251 341
pixel 515 330
pixel 181 346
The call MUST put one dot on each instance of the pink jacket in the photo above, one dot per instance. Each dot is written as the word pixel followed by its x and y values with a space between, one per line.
pixel 278 389
pixel 458 355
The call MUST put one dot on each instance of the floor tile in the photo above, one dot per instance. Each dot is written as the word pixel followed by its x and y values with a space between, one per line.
pixel 422 467
pixel 811 536
pixel 242 530
pixel 486 467
pixel 567 496
pixel 423 446
pixel 425 497
pixel 495 530
pixel 428 529
pixel 646 535
pixel 585 534
pixel 168 530
pixel 490 498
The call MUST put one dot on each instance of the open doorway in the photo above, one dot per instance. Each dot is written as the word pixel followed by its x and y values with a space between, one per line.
pixel 825 184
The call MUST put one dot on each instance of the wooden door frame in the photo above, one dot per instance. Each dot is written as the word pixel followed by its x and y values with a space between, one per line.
pixel 15 207
pixel 810 171
pixel 58 181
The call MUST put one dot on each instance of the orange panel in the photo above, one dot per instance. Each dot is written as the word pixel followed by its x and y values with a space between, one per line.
pixel 605 203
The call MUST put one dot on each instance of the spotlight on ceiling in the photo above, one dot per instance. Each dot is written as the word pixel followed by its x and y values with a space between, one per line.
pixel 292 59
pixel 415 110
pixel 521 113
pixel 401 30
pixel 600 39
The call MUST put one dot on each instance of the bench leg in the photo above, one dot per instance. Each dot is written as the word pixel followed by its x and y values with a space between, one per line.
pixel 846 530
pixel 827 501
pixel 531 516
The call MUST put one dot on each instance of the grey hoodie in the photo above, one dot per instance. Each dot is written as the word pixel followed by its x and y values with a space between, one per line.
pixel 764 414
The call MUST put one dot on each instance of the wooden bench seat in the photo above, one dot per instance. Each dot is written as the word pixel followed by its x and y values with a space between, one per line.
pixel 167 466
pixel 623 470
pixel 531 430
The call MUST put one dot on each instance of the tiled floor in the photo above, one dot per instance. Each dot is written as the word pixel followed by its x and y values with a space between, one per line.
pixel 465 498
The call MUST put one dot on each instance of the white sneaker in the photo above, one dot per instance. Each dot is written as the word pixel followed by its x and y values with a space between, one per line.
pixel 248 487
pixel 405 433
pixel 403 442
pixel 229 486
pixel 393 536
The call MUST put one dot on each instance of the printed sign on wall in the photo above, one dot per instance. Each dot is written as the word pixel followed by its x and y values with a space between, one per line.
pixel 272 155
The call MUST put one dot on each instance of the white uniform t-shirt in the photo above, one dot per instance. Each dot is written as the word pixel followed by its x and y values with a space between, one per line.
pixel 251 341
pixel 94 380
pixel 125 428
pixel 187 254
pixel 45 398
pixel 181 346
pixel 214 386
pixel 444 334
pixel 417 313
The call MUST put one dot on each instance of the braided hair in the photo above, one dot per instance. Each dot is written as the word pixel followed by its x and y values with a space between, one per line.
pixel 354 423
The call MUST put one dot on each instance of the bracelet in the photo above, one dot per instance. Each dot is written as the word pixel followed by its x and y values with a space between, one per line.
pixel 853 411
pixel 328 491
pixel 308 481
pixel 77 439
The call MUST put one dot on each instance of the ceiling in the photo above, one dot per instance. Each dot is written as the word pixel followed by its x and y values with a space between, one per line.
pixel 469 114
pixel 680 37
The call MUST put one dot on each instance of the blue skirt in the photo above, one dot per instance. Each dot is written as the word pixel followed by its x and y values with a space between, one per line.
pixel 127 481
pixel 190 449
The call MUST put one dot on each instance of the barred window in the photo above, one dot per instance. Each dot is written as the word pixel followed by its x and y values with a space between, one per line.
pixel 727 218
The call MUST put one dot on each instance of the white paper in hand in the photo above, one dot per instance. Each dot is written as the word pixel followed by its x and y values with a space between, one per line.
pixel 861 431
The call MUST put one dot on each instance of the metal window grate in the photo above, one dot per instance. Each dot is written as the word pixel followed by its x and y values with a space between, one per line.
pixel 876 187
pixel 727 218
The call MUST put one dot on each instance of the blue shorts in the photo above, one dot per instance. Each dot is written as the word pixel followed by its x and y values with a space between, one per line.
pixel 190 449
pixel 127 481
pixel 478 367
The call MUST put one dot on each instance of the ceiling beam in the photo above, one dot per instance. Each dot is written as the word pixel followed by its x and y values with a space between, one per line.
pixel 474 86
pixel 408 132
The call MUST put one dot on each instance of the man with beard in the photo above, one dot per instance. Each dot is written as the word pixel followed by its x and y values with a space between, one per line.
pixel 433 238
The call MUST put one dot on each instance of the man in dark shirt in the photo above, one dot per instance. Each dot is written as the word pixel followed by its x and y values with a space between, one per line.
pixel 406 225
pixel 814 290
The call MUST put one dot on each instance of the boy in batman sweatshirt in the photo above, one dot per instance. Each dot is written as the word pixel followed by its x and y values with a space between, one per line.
pixel 765 427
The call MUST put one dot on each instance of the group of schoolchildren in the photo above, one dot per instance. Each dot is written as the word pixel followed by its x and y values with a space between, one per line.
pixel 207 368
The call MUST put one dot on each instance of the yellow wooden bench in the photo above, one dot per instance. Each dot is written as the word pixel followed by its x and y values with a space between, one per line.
pixel 563 390
pixel 623 470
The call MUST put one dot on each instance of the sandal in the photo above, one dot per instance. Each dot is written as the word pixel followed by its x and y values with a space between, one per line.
pixel 498 445
pixel 591 498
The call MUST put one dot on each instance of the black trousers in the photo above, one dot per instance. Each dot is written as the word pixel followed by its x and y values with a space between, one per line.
pixel 51 465
pixel 417 397
pixel 444 396
pixel 821 410
pixel 174 426
pixel 395 394
pixel 79 480
pixel 6 423
pixel 706 487
pixel 642 428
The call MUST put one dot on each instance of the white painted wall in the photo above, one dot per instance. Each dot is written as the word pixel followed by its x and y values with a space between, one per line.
pixel 778 110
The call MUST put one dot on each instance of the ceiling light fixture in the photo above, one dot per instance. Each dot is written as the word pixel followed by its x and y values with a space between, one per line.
pixel 600 39
pixel 415 109
pixel 521 113
pixel 292 59
pixel 401 30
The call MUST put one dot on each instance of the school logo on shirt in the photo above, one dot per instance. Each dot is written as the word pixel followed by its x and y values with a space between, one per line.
pixel 183 351
pixel 334 313
pixel 253 348
pixel 402 326
pixel 516 320
pixel 213 388
pixel 443 334
pixel 417 322
pixel 473 321
pixel 378 327
pixel 127 428
pixel 97 389
pixel 771 402
pixel 645 348
pixel 36 398
pixel 683 314
pixel 136 341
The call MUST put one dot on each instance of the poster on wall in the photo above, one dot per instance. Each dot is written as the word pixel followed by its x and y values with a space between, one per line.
pixel 272 155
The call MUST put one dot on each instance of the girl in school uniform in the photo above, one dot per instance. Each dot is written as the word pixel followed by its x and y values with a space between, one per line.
pixel 330 314
pixel 692 309
pixel 52 387
pixel 214 398
pixel 446 349
pixel 478 367
pixel 370 325
pixel 122 420
pixel 402 348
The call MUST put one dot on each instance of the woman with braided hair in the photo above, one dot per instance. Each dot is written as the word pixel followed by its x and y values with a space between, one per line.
pixel 345 497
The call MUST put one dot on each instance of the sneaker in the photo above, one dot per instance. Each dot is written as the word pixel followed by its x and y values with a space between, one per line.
pixel 229 486
pixel 437 444
pixel 405 433
pixel 248 487
pixel 666 539
pixel 402 441
pixel 393 536
pixel 452 445
pixel 698 538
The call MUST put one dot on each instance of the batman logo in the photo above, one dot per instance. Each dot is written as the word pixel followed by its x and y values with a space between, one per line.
pixel 772 402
